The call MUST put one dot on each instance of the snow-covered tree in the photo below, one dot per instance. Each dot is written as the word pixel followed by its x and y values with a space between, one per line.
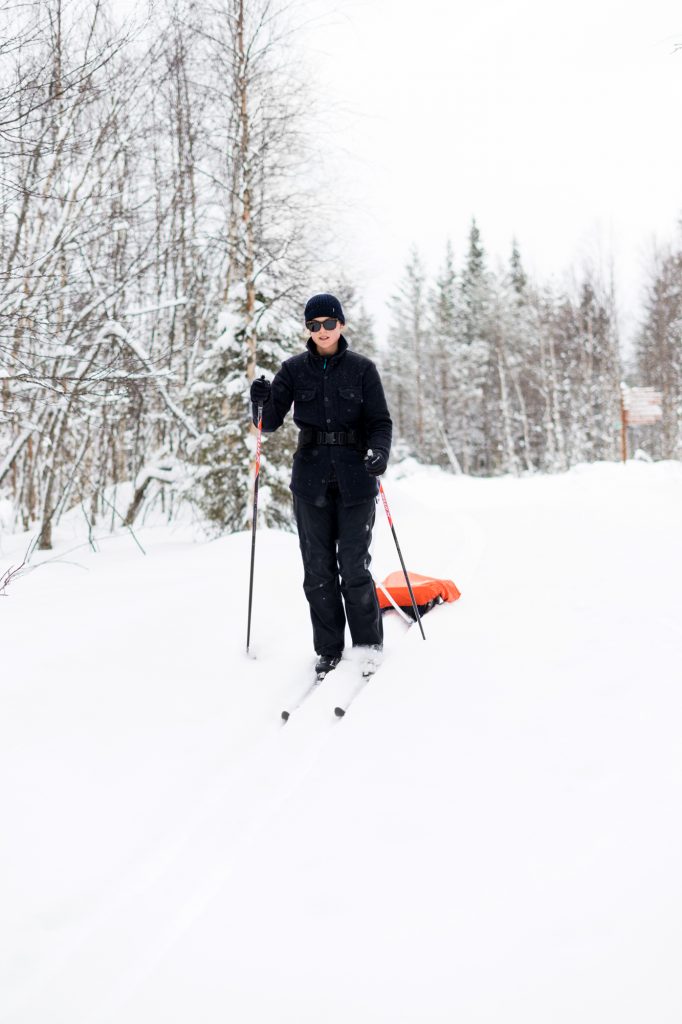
pixel 658 353
pixel 472 362
pixel 359 329
pixel 257 146
pixel 150 191
pixel 223 454
pixel 443 324
pixel 522 377
pixel 597 393
pixel 409 343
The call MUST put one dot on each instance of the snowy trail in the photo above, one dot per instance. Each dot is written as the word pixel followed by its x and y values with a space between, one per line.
pixel 492 834
pixel 158 898
pixel 159 895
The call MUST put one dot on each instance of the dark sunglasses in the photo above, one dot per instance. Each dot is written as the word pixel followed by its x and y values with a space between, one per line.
pixel 314 325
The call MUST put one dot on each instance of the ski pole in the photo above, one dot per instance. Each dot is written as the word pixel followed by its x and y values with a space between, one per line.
pixel 400 556
pixel 253 522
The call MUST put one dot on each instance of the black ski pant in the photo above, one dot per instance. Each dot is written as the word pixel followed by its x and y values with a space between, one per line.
pixel 335 544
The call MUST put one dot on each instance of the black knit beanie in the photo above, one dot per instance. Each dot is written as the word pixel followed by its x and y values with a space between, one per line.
pixel 323 305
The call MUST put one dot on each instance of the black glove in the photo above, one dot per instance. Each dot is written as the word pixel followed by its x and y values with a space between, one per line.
pixel 376 462
pixel 260 391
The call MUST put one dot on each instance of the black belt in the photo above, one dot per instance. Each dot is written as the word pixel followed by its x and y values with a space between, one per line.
pixel 308 436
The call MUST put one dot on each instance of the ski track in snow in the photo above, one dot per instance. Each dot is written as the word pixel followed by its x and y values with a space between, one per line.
pixel 168 887
pixel 194 861
pixel 490 834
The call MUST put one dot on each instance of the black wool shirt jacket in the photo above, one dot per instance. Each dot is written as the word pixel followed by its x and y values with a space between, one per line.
pixel 340 393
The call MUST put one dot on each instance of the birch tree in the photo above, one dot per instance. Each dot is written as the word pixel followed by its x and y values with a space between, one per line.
pixel 256 162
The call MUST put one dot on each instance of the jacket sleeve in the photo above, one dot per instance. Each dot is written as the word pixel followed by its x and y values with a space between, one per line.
pixel 378 423
pixel 279 403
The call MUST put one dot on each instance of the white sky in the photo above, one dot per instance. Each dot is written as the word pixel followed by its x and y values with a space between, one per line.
pixel 560 125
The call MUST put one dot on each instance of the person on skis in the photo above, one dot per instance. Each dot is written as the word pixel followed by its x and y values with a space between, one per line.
pixel 344 442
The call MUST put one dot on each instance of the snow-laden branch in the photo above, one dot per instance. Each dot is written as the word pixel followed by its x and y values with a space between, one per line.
pixel 16 447
pixel 113 329
pixel 170 304
pixel 165 469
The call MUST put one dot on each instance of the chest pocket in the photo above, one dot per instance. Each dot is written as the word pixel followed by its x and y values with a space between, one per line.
pixel 350 403
pixel 352 394
pixel 305 405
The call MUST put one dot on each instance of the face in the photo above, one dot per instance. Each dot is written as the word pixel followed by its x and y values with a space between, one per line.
pixel 327 342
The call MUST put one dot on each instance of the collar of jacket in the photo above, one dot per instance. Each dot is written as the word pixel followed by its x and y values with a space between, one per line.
pixel 315 356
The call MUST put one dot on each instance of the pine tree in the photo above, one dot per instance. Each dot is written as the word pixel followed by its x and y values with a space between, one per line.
pixel 359 328
pixel 472 363
pixel 598 385
pixel 517 275
pixel 223 455
pixel 442 397
pixel 521 369
pixel 658 354
pixel 360 332
pixel 409 344
pixel 257 134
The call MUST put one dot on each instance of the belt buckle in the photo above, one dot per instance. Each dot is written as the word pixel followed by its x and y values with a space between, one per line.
pixel 331 437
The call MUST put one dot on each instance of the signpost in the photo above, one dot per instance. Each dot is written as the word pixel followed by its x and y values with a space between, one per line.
pixel 638 407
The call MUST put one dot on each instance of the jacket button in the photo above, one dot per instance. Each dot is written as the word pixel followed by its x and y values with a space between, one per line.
pixel 328 420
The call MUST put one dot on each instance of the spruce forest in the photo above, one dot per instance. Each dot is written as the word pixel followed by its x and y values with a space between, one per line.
pixel 156 255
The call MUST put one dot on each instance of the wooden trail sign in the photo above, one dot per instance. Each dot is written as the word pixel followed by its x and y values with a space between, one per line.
pixel 639 407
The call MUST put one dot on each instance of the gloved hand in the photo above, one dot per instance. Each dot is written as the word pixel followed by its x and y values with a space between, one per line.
pixel 260 391
pixel 376 462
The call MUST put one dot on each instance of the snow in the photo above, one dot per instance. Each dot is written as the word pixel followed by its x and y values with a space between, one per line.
pixel 491 834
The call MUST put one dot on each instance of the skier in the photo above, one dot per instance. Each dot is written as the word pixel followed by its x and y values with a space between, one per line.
pixel 344 442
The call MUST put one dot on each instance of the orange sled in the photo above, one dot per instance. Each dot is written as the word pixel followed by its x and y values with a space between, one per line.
pixel 393 593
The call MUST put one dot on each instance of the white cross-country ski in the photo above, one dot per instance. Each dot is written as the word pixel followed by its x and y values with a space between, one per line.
pixel 369 665
pixel 319 677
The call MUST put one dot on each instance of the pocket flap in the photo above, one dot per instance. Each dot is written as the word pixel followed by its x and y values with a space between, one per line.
pixel 352 393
